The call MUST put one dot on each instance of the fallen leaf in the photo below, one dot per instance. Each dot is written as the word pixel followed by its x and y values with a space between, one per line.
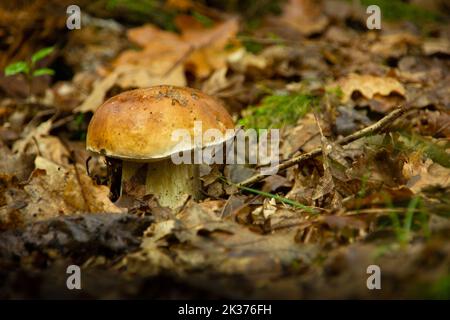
pixel 305 16
pixel 15 165
pixel 219 85
pixel 394 45
pixel 54 190
pixel 273 182
pixel 381 94
pixel 349 120
pixel 425 174
pixel 31 134
pixel 199 240
pixel 431 47
pixel 369 86
pixel 133 76
pixel 209 45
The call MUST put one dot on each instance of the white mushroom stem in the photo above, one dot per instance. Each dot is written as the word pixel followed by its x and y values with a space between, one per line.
pixel 171 184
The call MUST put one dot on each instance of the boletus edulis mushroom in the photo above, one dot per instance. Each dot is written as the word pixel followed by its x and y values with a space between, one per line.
pixel 136 127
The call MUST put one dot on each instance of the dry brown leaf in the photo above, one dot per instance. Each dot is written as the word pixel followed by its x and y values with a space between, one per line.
pixel 425 174
pixel 394 45
pixel 147 34
pixel 436 46
pixel 216 82
pixel 305 16
pixel 201 48
pixel 31 133
pixel 199 240
pixel 54 190
pixel 273 182
pixel 242 60
pixel 38 141
pixel 164 57
pixel 133 76
pixel 369 86
pixel 219 85
pixel 15 165
pixel 209 45
pixel 305 136
pixel 95 99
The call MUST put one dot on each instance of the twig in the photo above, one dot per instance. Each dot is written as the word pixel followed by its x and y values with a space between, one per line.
pixel 370 130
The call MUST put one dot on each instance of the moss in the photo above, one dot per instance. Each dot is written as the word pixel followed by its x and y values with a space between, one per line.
pixel 252 46
pixel 398 10
pixel 440 289
pixel 141 11
pixel 250 9
pixel 276 111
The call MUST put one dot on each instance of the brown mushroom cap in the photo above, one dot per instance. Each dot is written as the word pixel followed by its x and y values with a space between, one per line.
pixel 138 124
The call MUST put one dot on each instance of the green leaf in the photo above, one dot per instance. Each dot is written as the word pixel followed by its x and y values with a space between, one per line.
pixel 41 54
pixel 290 202
pixel 43 72
pixel 204 20
pixel 16 67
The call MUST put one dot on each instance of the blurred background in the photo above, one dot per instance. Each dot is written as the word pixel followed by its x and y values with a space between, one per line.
pixel 313 69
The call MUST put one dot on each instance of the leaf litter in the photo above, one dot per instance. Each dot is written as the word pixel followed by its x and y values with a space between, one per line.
pixel 338 204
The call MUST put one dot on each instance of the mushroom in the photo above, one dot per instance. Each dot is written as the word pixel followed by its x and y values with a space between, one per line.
pixel 136 128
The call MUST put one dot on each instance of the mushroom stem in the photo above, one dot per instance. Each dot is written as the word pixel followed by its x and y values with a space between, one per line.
pixel 171 184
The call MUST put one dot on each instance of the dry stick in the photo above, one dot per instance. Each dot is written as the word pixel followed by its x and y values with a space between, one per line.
pixel 370 130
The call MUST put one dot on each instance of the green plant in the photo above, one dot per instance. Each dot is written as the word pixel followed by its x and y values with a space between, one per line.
pixel 413 142
pixel 252 46
pixel 284 200
pixel 415 218
pixel 290 202
pixel 79 125
pixel 143 11
pixel 28 68
pixel 440 289
pixel 276 111
pixel 204 20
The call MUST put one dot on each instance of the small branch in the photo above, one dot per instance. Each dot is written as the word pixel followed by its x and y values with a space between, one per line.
pixel 375 128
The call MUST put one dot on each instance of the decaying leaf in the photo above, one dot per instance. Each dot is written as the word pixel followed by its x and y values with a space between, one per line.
pixel 378 190
pixel 31 135
pixel 305 16
pixel 423 174
pixel 133 76
pixel 199 240
pixel 381 93
pixel 369 86
pixel 436 46
pixel 394 45
pixel 54 190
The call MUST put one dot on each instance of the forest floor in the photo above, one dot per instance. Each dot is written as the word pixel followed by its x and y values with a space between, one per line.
pixel 313 230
